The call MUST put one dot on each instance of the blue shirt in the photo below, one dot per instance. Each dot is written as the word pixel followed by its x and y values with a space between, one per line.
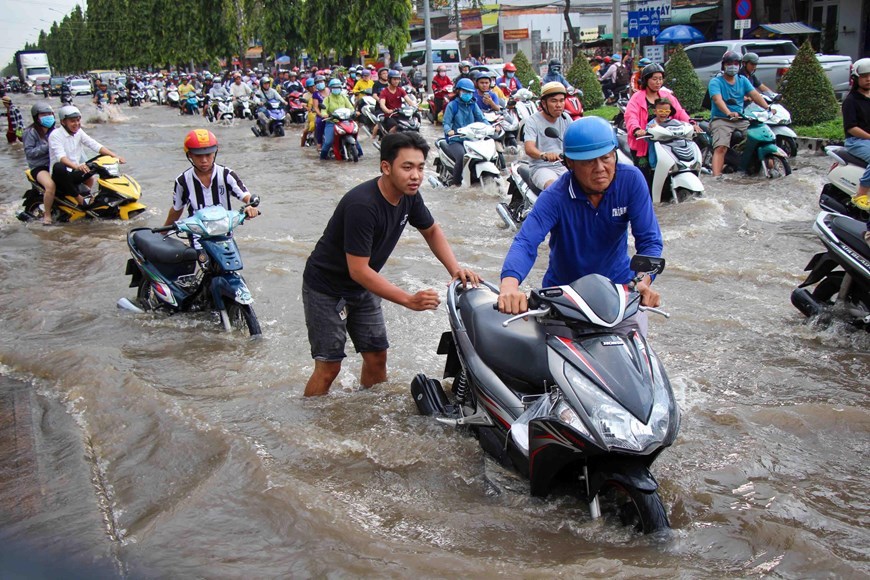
pixel 584 239
pixel 458 114
pixel 719 86
pixel 478 98
pixel 555 78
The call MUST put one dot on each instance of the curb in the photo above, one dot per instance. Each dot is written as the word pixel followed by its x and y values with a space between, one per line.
pixel 815 145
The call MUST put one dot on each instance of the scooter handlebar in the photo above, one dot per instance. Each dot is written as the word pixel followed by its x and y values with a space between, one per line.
pixel 163 229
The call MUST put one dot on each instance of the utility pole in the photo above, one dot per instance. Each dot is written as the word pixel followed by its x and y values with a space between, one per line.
pixel 617 28
pixel 458 24
pixel 427 28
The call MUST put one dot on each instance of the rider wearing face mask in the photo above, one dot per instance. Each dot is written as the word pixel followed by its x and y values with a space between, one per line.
pixel 727 92
pixel 510 79
pixel 460 112
pixel 336 99
pixel 439 87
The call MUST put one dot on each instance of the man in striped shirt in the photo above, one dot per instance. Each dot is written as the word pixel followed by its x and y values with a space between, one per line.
pixel 206 183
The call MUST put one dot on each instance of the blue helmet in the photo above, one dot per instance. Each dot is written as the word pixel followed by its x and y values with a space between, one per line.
pixel 588 138
pixel 394 74
pixel 334 84
pixel 309 82
pixel 465 85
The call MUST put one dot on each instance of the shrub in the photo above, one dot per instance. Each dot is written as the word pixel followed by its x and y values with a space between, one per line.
pixel 582 76
pixel 680 77
pixel 526 73
pixel 806 91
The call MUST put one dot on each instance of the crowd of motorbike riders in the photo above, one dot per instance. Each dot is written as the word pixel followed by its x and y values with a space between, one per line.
pixel 378 97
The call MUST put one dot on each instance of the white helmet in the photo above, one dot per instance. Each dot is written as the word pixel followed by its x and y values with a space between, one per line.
pixel 68 112
pixel 861 67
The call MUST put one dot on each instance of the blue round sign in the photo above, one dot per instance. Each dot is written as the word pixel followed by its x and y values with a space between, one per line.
pixel 743 8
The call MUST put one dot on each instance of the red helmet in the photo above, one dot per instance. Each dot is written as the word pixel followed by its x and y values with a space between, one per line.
pixel 200 142
pixel 510 67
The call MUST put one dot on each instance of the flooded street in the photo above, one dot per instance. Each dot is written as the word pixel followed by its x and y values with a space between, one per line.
pixel 151 446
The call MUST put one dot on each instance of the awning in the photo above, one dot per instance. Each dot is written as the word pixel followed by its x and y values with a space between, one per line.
pixel 684 15
pixel 790 28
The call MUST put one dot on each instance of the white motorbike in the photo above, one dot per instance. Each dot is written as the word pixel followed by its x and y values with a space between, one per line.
pixel 172 98
pixel 151 94
pixel 779 121
pixel 842 186
pixel 678 162
pixel 480 162
pixel 370 113
pixel 222 112
pixel 243 108
pixel 525 106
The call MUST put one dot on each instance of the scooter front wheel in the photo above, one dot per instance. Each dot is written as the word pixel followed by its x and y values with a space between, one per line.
pixel 242 316
pixel 777 166
pixel 643 510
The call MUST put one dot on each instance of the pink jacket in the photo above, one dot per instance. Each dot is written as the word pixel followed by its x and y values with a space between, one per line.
pixel 637 115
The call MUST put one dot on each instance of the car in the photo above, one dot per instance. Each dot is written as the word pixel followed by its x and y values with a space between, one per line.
pixel 774 59
pixel 55 84
pixel 80 87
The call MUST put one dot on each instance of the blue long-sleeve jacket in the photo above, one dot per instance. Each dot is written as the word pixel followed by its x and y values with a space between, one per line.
pixel 555 78
pixel 458 114
pixel 583 239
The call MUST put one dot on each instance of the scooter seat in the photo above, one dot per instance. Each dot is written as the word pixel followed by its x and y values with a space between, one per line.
pixel 517 354
pixel 851 231
pixel 844 154
pixel 526 174
pixel 159 249
pixel 443 145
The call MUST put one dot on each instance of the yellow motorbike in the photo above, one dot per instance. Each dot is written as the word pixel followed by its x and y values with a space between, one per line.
pixel 117 196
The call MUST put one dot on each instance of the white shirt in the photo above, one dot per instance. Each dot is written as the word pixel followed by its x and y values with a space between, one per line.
pixel 62 144
pixel 240 90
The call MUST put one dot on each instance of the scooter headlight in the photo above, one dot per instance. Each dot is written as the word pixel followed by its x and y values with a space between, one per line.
pixel 567 415
pixel 218 227
pixel 112 169
pixel 615 425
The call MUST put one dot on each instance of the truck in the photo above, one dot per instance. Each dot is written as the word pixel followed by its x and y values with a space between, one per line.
pixel 32 66
pixel 774 59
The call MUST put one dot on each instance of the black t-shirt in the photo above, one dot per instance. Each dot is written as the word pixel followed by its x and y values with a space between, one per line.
pixel 378 86
pixel 363 224
pixel 856 112
pixel 752 78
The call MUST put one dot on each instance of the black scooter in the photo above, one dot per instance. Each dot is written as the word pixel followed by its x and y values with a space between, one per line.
pixel 559 394
pixel 840 274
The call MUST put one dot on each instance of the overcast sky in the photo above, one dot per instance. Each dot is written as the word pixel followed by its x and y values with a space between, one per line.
pixel 21 21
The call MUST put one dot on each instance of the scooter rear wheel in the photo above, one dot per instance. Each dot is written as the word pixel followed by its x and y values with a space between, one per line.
pixel 145 296
pixel 242 316
pixel 642 510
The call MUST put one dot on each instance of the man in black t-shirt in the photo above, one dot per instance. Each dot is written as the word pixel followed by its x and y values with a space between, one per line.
pixel 341 285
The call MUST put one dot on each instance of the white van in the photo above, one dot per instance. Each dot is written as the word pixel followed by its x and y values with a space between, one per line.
pixel 444 52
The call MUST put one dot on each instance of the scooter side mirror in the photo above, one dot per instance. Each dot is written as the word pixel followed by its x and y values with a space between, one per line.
pixel 255 201
pixel 647 264
pixel 552 133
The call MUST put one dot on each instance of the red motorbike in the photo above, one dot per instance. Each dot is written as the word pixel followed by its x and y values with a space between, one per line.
pixel 447 94
pixel 573 106
pixel 296 107
pixel 344 145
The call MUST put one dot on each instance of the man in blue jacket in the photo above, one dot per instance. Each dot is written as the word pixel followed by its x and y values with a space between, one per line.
pixel 587 212
pixel 460 112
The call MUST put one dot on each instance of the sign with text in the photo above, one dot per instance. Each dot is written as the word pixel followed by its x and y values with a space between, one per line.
pixel 743 24
pixel 661 7
pixel 655 52
pixel 515 34
pixel 471 19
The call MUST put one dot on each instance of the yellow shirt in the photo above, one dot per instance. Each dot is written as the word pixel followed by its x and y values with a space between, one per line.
pixel 499 93
pixel 363 85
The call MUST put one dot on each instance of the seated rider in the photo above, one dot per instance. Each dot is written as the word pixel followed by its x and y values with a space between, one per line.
pixel 103 94
pixel 36 150
pixel 239 89
pixel 486 99
pixel 458 113
pixel 391 100
pixel 200 148
pixel 546 152
pixel 262 96
pixel 750 65
pixel 439 88
pixel 336 99
pixel 292 84
pixel 381 82
pixel 510 79
pixel 587 213
pixel 554 74
pixel 217 91
pixel 66 149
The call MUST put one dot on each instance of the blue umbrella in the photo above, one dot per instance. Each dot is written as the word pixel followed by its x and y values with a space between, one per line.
pixel 283 60
pixel 679 34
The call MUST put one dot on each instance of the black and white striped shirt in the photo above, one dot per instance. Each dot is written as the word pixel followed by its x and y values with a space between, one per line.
pixel 190 192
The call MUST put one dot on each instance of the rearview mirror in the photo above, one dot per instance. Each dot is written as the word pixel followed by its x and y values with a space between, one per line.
pixel 552 133
pixel 647 264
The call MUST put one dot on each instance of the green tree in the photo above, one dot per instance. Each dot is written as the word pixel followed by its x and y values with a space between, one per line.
pixel 806 91
pixel 526 73
pixel 279 25
pixel 680 77
pixel 347 26
pixel 582 76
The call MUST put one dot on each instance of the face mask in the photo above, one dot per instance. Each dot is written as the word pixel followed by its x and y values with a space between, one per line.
pixel 731 69
pixel 465 97
pixel 336 91
pixel 320 86
pixel 47 122
pixel 510 75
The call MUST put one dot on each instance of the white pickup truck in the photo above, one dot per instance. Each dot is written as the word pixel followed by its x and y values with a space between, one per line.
pixel 774 59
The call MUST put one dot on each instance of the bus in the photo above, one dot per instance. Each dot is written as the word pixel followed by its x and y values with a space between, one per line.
pixel 444 52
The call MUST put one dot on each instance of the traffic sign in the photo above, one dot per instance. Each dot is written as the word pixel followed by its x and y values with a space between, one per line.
pixel 743 8
pixel 744 24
